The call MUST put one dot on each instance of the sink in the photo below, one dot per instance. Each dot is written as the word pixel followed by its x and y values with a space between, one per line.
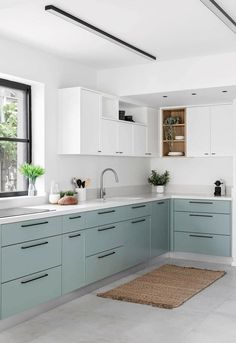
pixel 121 199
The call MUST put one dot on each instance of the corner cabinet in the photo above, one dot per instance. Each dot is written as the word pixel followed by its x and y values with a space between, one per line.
pixel 89 124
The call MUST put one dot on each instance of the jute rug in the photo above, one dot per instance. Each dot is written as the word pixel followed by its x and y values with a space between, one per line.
pixel 168 286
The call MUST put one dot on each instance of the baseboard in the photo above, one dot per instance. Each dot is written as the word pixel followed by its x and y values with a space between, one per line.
pixel 202 258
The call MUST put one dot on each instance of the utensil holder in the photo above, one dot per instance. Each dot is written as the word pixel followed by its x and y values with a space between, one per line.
pixel 81 192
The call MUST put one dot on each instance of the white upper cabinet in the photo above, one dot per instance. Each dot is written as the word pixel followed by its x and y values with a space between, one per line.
pixel 78 121
pixel 139 140
pixel 222 130
pixel 210 131
pixel 152 146
pixel 198 131
pixel 124 139
pixel 108 137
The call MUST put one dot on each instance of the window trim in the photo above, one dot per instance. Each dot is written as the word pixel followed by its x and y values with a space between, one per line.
pixel 28 140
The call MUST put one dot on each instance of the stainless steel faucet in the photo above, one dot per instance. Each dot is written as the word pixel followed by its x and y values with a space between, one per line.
pixel 102 189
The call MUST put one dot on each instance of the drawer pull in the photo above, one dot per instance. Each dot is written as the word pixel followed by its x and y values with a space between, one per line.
pixel 33 245
pixel 106 228
pixel 138 206
pixel 111 253
pixel 201 215
pixel 73 236
pixel 34 279
pixel 160 203
pixel 77 217
pixel 200 236
pixel 138 221
pixel 201 202
pixel 106 212
pixel 35 224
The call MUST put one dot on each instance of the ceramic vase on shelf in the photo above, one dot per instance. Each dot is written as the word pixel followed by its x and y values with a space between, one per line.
pixel 31 188
pixel 160 189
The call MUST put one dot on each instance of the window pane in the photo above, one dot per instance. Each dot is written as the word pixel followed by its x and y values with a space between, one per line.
pixel 12 155
pixel 13 113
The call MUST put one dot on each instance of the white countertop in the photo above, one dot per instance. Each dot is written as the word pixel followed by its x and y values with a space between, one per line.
pixel 96 204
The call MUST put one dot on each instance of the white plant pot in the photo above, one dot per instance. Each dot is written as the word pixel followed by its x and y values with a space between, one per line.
pixel 160 189
pixel 81 193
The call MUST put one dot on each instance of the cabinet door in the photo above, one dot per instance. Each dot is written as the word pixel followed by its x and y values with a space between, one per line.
pixel 139 140
pixel 124 139
pixel 152 133
pixel 90 121
pixel 160 228
pixel 73 261
pixel 198 131
pixel 136 241
pixel 222 130
pixel 108 137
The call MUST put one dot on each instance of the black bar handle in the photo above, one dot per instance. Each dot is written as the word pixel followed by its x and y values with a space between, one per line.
pixel 160 202
pixel 35 224
pixel 33 245
pixel 200 236
pixel 138 206
pixel 201 202
pixel 73 236
pixel 77 217
pixel 201 215
pixel 105 212
pixel 111 253
pixel 138 221
pixel 106 228
pixel 34 279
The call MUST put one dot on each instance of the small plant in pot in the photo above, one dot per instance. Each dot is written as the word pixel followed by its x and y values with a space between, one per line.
pixel 159 181
pixel 31 172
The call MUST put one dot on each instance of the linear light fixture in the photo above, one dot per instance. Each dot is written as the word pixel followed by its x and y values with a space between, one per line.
pixel 220 13
pixel 91 28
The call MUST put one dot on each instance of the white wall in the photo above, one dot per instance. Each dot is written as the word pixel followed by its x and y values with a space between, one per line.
pixel 195 174
pixel 48 73
pixel 174 75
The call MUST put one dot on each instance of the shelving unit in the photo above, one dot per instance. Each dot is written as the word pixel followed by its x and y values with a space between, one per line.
pixel 170 131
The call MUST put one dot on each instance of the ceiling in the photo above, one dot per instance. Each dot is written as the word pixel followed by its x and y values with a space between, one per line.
pixel 167 29
pixel 201 96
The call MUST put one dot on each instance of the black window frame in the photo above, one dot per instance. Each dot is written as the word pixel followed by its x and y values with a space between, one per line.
pixel 28 140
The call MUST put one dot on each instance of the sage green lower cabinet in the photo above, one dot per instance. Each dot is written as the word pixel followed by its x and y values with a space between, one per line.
pixel 73 261
pixel 24 293
pixel 136 241
pixel 104 264
pixel 159 228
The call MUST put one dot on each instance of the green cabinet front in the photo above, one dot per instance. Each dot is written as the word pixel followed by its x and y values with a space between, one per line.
pixel 159 228
pixel 73 261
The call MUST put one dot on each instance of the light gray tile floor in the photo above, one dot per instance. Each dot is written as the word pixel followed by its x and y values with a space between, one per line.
pixel 208 317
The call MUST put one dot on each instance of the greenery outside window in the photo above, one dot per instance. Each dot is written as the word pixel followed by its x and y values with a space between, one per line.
pixel 15 136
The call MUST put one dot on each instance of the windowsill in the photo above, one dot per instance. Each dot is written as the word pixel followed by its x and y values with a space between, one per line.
pixel 23 201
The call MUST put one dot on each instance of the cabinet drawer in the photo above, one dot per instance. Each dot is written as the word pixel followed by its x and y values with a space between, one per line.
pixel 73 222
pixel 30 229
pixel 200 205
pixel 31 257
pixel 202 243
pixel 104 216
pixel 104 264
pixel 103 238
pixel 138 210
pixel 27 292
pixel 202 222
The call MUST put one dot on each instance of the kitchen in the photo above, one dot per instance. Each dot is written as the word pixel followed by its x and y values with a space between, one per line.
pixel 200 80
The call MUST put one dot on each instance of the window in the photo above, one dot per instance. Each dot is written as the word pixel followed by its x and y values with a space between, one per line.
pixel 15 136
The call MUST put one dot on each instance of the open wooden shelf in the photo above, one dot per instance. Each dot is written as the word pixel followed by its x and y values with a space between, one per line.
pixel 169 131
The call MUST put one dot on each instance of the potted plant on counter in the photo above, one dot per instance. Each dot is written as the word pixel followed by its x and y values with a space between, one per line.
pixel 31 172
pixel 159 181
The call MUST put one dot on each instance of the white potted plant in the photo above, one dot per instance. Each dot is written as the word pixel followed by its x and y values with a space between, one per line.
pixel 159 181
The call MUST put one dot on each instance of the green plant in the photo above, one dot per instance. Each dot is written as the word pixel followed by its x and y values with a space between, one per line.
pixel 30 171
pixel 67 193
pixel 157 179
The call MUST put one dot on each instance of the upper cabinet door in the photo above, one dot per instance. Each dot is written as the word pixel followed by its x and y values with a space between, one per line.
pixel 152 132
pixel 198 131
pixel 109 144
pixel 90 121
pixel 139 140
pixel 222 130
pixel 124 139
